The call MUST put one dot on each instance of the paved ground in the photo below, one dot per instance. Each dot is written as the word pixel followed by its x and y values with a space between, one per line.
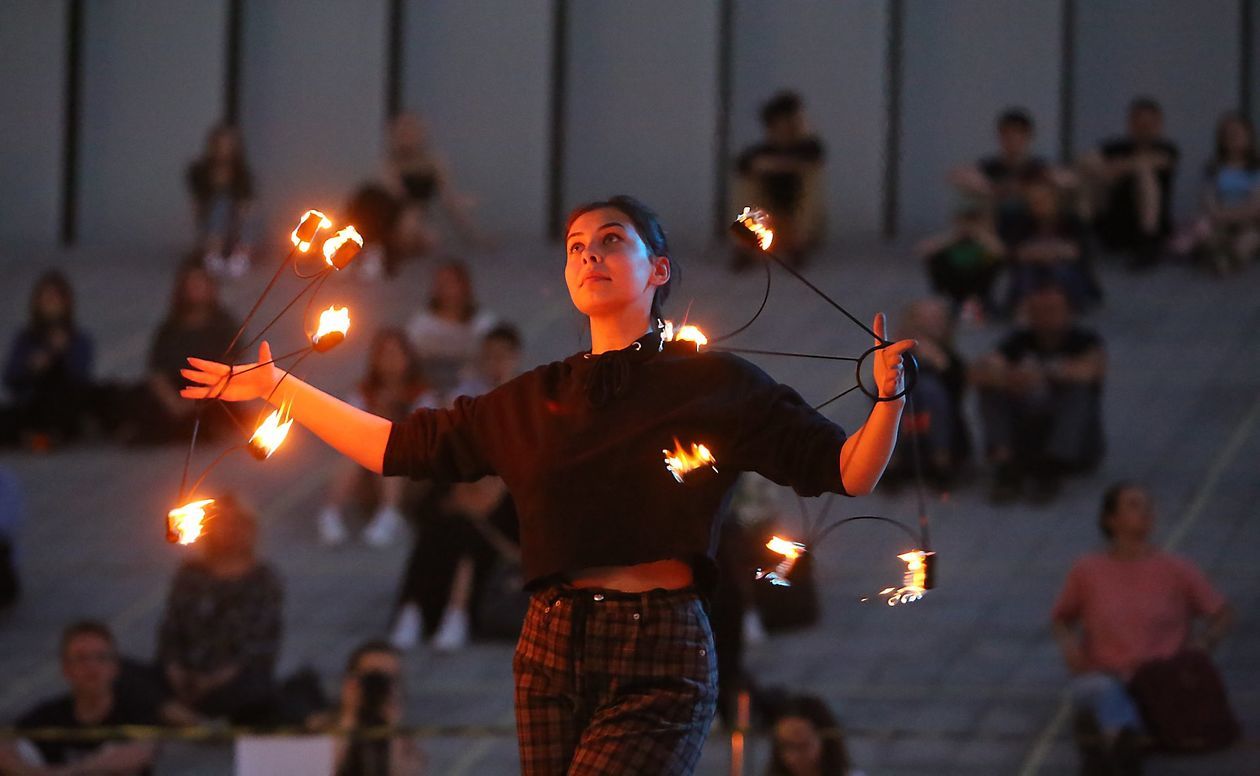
pixel 967 681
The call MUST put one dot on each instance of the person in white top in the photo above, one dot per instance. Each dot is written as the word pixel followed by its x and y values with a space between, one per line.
pixel 447 334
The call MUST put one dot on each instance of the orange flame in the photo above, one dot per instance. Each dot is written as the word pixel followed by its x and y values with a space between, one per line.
pixel 685 333
pixel 758 223
pixel 681 461
pixel 913 583
pixel 333 325
pixel 785 547
pixel 791 551
pixel 310 223
pixel 183 524
pixel 342 247
pixel 270 434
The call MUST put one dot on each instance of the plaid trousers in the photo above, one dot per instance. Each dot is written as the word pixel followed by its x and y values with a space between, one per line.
pixel 614 683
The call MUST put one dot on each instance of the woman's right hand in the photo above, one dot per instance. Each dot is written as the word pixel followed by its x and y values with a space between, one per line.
pixel 239 382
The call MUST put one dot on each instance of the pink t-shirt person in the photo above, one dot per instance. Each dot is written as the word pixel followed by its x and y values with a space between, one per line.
pixel 1134 611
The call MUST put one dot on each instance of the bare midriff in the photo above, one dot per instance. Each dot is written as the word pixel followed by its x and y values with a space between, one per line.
pixel 665 574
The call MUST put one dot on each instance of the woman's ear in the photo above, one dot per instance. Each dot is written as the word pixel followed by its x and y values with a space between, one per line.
pixel 660 271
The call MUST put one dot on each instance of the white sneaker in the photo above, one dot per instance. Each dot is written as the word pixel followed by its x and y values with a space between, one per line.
pixel 452 632
pixel 380 532
pixel 754 631
pixel 332 529
pixel 407 628
pixel 215 264
pixel 237 264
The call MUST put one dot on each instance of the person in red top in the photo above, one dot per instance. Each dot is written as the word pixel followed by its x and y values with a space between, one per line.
pixel 1128 605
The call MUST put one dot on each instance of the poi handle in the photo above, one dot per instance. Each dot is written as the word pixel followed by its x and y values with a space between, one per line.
pixel 911 373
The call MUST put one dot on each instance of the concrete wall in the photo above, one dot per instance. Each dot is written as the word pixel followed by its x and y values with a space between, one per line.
pixel 152 86
pixel 312 103
pixel 642 108
pixel 31 101
pixel 1183 54
pixel 965 61
pixel 833 54
pixel 480 73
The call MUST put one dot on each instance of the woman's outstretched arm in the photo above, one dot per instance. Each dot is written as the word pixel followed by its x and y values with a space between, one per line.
pixel 360 436
pixel 866 452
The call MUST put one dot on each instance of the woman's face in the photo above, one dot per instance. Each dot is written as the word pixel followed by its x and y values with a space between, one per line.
pixel 1134 515
pixel 799 745
pixel 608 266
pixel 391 359
pixel 450 289
pixel 223 145
pixel 50 303
pixel 198 288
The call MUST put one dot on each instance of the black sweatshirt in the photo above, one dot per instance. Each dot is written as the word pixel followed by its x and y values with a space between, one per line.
pixel 580 445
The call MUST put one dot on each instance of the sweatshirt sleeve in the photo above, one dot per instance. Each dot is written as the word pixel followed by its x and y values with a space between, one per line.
pixel 443 444
pixel 786 440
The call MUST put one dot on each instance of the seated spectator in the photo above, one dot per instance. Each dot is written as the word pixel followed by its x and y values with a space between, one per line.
pixel 964 262
pixel 222 190
pixel 196 324
pixel 782 174
pixel 1120 609
pixel 393 387
pixel 937 417
pixel 447 335
pixel 371 697
pixel 396 215
pixel 1050 245
pixel 12 514
pixel 468 529
pixel 808 741
pixel 1227 229
pixel 89 663
pixel 220 634
pixel 996 180
pixel 49 370
pixel 1041 399
pixel 1132 177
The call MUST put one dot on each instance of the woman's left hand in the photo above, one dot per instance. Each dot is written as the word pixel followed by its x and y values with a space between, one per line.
pixel 888 364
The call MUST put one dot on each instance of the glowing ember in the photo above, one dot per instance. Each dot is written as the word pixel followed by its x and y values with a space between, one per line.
pixel 684 333
pixel 680 462
pixel 917 580
pixel 791 551
pixel 341 248
pixel 754 224
pixel 310 223
pixel 184 524
pixel 270 434
pixel 333 325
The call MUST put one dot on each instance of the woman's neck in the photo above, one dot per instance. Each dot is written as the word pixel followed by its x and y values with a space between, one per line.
pixel 617 331
pixel 1129 549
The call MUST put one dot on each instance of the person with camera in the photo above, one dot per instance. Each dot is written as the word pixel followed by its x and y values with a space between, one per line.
pixel 371 702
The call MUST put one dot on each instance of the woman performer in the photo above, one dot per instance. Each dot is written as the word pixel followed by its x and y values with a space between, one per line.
pixel 615 670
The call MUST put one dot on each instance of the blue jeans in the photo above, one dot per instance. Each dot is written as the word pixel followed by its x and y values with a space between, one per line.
pixel 1107 698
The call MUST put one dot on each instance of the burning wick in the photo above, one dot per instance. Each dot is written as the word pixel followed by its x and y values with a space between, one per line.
pixel 183 524
pixel 341 248
pixel 270 434
pixel 781 573
pixel 333 325
pixel 680 462
pixel 753 225
pixel 685 333
pixel 310 223
pixel 918 579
